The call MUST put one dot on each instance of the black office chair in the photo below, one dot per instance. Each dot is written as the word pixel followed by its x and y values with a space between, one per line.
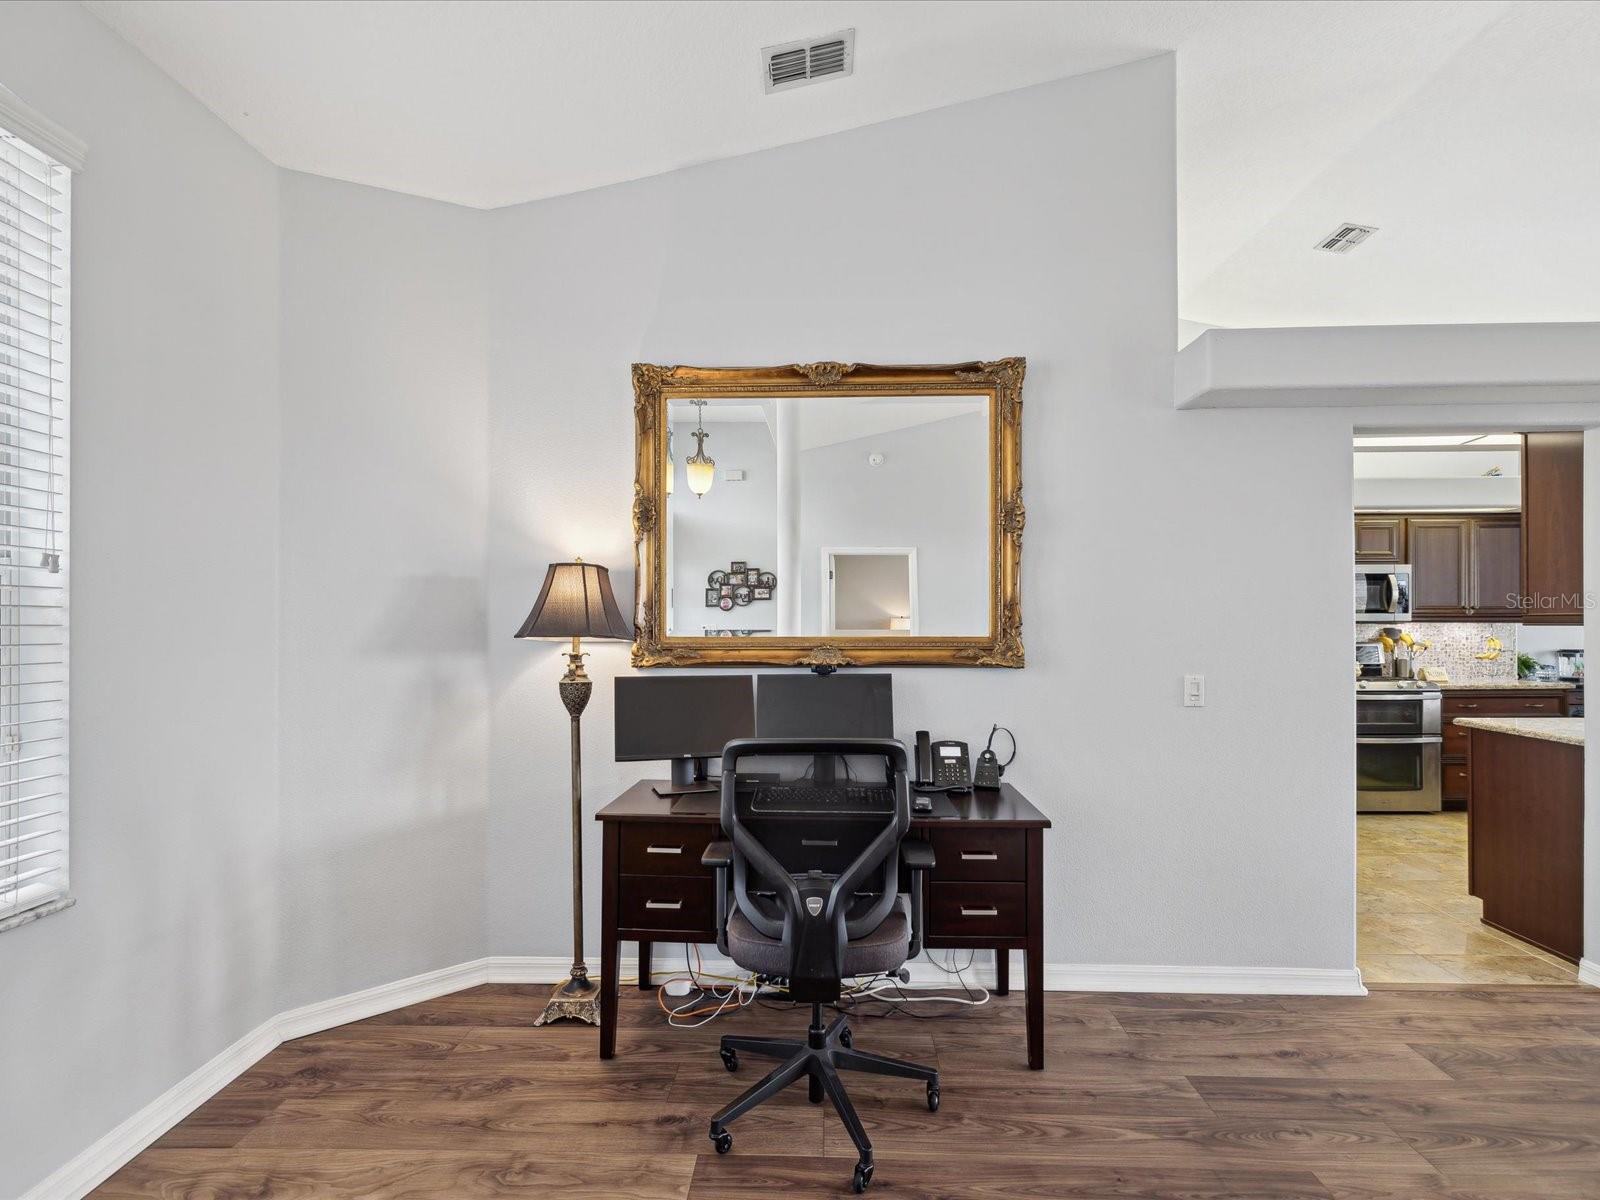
pixel 816 900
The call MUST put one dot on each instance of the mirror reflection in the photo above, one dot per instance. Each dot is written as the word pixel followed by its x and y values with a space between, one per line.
pixel 850 516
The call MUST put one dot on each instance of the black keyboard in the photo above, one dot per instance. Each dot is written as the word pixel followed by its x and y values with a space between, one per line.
pixel 805 798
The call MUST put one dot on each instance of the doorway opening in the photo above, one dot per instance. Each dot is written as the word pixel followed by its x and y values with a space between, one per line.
pixel 869 589
pixel 1469 664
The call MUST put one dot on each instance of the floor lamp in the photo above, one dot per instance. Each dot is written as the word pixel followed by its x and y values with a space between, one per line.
pixel 575 602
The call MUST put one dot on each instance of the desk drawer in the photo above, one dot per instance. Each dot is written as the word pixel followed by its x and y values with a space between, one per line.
pixel 979 853
pixel 665 848
pixel 666 902
pixel 978 909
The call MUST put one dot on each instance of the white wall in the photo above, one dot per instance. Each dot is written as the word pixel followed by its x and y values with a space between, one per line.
pixel 384 739
pixel 1223 835
pixel 1547 639
pixel 1473 493
pixel 171 951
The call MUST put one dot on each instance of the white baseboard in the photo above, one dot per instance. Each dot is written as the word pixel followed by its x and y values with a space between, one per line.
pixel 1589 972
pixel 96 1164
pixel 1261 981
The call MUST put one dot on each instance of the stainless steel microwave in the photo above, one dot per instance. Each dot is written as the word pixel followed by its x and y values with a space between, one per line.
pixel 1383 594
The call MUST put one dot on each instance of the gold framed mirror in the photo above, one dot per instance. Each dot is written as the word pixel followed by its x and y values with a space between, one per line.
pixel 828 514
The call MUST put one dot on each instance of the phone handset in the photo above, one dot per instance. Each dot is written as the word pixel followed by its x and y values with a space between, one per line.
pixel 924 757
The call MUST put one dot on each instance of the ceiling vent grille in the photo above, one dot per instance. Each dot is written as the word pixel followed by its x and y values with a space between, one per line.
pixel 795 64
pixel 1346 238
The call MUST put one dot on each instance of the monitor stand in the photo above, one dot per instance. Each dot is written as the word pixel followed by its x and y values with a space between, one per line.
pixel 824 770
pixel 688 779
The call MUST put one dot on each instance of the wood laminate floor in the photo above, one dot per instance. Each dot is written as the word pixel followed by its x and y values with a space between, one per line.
pixel 1445 1094
pixel 1416 923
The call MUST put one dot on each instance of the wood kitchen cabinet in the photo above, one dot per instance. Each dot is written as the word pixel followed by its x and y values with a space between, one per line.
pixel 1465 567
pixel 1441 567
pixel 1525 839
pixel 1490 702
pixel 1495 555
pixel 1552 513
pixel 1380 539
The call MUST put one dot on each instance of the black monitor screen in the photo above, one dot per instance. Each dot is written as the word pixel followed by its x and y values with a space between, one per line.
pixel 825 706
pixel 681 716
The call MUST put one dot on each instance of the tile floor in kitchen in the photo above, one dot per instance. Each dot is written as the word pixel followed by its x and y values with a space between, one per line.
pixel 1416 923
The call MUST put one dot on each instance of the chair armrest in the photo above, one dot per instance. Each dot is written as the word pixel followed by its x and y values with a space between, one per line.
pixel 719 857
pixel 918 859
pixel 917 856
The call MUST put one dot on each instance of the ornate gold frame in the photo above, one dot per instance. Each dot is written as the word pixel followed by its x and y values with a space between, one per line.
pixel 1001 381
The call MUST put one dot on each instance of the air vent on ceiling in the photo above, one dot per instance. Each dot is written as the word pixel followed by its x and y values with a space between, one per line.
pixel 795 64
pixel 1346 238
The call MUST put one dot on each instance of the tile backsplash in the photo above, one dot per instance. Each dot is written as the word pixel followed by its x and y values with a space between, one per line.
pixel 1453 645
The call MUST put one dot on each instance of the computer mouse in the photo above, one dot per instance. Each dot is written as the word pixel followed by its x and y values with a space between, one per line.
pixel 922 804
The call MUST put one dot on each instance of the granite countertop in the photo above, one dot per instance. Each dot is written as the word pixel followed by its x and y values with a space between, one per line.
pixel 1567 730
pixel 1504 685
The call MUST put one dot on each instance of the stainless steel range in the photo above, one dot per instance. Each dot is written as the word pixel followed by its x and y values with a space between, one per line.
pixel 1399 745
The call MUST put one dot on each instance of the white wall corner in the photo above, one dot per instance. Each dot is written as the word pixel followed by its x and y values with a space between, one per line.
pixel 1191 371
pixel 1589 972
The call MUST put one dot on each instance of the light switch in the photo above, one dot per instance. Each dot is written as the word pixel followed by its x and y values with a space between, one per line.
pixel 1194 691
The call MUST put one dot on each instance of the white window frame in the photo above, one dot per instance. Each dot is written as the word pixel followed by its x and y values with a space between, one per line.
pixel 42 138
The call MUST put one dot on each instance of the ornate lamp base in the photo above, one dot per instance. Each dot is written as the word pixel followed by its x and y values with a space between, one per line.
pixel 574 999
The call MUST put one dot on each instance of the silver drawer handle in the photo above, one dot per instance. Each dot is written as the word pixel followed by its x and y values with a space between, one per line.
pixel 973 856
pixel 663 849
pixel 980 912
pixel 672 905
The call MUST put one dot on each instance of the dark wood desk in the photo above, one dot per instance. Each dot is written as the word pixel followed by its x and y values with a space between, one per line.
pixel 986 890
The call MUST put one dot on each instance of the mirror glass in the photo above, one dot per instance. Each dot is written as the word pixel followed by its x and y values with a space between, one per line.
pixel 850 516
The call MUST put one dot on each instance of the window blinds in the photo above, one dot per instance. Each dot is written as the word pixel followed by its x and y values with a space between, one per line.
pixel 35 193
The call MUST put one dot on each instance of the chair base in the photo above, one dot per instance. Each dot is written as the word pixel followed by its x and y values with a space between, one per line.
pixel 819 1059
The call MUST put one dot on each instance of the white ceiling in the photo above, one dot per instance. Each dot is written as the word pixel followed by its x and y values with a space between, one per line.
pixel 1468 132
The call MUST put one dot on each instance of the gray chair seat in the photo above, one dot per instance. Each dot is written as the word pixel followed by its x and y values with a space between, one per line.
pixel 884 949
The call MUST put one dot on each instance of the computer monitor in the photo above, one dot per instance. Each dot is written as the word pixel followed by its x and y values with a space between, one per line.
pixel 825 706
pixel 685 719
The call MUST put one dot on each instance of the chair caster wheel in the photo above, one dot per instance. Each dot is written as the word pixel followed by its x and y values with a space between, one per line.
pixel 862 1177
pixel 724 1142
pixel 933 1097
pixel 730 1059
pixel 846 1037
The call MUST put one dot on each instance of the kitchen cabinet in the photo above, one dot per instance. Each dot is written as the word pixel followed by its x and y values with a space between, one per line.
pixel 1380 539
pixel 1441 567
pixel 1495 554
pixel 1552 514
pixel 1525 839
pixel 1465 567
pixel 1460 702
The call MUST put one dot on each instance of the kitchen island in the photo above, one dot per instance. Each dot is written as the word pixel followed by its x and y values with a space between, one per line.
pixel 1525 828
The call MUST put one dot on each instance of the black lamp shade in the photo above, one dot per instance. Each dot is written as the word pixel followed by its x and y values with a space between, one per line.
pixel 576 601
